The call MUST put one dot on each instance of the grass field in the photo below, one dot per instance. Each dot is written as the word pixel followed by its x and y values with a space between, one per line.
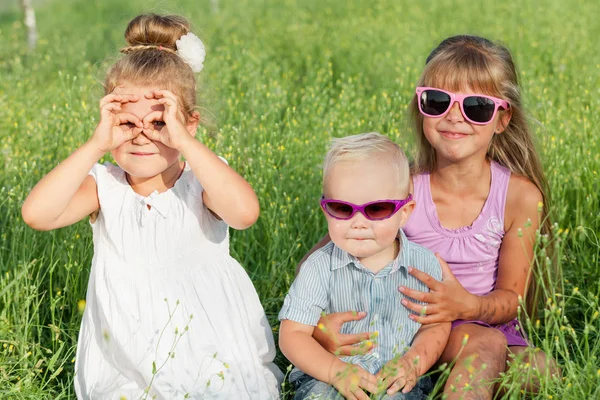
pixel 280 79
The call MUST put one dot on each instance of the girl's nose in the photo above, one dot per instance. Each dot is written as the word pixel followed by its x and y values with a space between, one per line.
pixel 455 114
pixel 141 139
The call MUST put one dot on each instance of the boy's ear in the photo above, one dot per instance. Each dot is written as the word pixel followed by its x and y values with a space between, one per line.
pixel 193 122
pixel 407 211
pixel 504 120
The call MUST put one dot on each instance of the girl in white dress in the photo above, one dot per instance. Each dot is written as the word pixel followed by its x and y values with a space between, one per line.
pixel 169 314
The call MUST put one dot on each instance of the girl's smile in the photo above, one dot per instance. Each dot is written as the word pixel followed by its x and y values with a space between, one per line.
pixel 454 135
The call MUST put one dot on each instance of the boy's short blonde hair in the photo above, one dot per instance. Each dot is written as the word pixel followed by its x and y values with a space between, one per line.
pixel 366 146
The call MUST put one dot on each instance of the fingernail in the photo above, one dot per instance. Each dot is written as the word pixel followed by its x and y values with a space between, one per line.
pixel 404 302
pixel 402 289
pixel 362 313
pixel 410 269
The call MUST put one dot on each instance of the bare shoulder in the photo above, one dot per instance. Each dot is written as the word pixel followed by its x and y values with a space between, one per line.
pixel 522 200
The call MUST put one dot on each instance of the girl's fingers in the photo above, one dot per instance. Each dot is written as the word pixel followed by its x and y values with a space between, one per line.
pixel 110 107
pixel 132 133
pixel 352 350
pixel 339 318
pixel 152 134
pixel 111 98
pixel 426 297
pixel 427 279
pixel 396 386
pixel 118 98
pixel 354 338
pixel 128 98
pixel 368 382
pixel 408 386
pixel 352 396
pixel 168 102
pixel 124 118
pixel 421 309
pixel 164 97
pixel 429 319
pixel 161 93
pixel 154 116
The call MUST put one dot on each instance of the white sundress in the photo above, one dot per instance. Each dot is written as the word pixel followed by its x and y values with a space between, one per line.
pixel 169 313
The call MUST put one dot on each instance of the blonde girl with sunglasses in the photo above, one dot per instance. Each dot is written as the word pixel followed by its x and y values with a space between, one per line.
pixel 480 196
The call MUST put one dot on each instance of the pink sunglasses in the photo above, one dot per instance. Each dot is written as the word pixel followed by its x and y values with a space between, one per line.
pixel 374 211
pixel 478 109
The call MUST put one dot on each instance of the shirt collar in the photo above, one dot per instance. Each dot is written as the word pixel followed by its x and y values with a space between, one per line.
pixel 341 258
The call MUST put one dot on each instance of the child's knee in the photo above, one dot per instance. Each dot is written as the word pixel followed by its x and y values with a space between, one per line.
pixel 492 344
pixel 497 340
pixel 489 347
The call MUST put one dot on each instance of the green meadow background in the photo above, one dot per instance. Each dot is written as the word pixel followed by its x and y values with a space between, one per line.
pixel 281 78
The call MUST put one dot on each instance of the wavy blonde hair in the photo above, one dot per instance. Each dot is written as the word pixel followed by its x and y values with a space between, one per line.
pixel 150 58
pixel 473 63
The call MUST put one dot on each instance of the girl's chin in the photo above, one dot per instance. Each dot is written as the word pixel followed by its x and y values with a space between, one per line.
pixel 141 173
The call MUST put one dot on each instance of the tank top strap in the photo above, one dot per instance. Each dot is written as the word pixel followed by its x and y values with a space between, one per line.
pixel 498 189
pixel 419 220
pixel 421 191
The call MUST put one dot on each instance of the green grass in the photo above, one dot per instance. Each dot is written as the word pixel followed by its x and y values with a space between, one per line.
pixel 281 78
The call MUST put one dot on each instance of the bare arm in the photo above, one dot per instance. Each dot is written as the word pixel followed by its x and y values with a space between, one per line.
pixel 428 345
pixel 297 344
pixel 226 193
pixel 449 300
pixel 516 254
pixel 66 194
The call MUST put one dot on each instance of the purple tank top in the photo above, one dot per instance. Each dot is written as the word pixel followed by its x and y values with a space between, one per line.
pixel 471 251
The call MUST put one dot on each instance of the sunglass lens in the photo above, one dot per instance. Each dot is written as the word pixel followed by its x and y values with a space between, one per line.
pixel 380 210
pixel 434 102
pixel 339 210
pixel 479 109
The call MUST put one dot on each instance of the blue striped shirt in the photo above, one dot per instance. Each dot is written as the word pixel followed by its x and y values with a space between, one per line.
pixel 331 280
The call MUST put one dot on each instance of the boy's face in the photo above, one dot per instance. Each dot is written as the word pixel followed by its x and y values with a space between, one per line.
pixel 360 182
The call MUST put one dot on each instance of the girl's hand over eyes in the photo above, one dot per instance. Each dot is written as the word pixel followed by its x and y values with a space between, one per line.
pixel 115 127
pixel 166 126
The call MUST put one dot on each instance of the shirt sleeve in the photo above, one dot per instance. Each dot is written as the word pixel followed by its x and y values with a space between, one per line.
pixel 95 171
pixel 308 294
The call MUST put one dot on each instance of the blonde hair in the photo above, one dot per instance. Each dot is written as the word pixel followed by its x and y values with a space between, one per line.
pixel 151 59
pixel 474 63
pixel 367 146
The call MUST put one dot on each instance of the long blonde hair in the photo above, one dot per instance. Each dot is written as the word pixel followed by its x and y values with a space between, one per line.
pixel 151 59
pixel 478 64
